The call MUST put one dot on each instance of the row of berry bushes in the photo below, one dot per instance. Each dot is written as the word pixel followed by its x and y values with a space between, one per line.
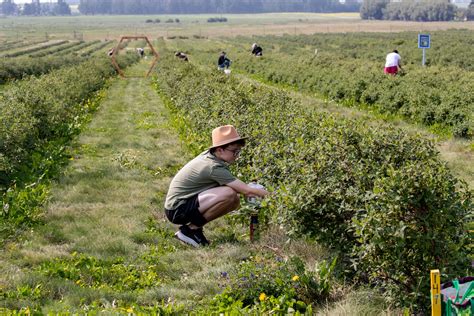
pixel 55 49
pixel 433 96
pixel 39 117
pixel 21 67
pixel 448 48
pixel 348 68
pixel 100 49
pixel 9 45
pixel 30 50
pixel 75 49
pixel 380 198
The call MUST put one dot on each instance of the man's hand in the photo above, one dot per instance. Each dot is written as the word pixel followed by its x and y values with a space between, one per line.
pixel 245 189
pixel 258 193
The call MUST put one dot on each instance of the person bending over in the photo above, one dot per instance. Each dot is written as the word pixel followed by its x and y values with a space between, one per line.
pixel 205 189
pixel 393 63
pixel 181 56
pixel 257 50
pixel 223 62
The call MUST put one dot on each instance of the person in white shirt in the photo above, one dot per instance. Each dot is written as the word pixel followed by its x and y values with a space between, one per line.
pixel 392 63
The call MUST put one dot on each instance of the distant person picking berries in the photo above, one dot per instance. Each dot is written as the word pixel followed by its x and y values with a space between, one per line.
pixel 223 62
pixel 257 50
pixel 393 63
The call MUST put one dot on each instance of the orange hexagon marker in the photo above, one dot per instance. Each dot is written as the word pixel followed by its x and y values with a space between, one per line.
pixel 116 49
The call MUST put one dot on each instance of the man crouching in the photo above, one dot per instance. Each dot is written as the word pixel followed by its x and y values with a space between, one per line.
pixel 205 189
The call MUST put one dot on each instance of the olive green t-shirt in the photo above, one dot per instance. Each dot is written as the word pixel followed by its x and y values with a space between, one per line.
pixel 200 174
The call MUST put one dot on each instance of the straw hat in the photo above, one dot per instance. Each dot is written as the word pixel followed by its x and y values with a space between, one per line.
pixel 224 135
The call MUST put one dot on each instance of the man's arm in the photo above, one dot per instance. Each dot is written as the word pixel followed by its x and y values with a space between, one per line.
pixel 243 188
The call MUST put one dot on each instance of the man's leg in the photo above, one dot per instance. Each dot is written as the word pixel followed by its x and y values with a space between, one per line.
pixel 213 203
pixel 216 202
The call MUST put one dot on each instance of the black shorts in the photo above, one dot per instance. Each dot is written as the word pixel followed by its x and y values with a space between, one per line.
pixel 187 213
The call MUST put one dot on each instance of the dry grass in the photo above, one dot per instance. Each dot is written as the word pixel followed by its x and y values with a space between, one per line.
pixel 459 154
pixel 358 303
pixel 329 26
pixel 112 27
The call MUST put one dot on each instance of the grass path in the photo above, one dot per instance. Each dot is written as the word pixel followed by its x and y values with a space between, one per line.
pixel 105 196
pixel 114 183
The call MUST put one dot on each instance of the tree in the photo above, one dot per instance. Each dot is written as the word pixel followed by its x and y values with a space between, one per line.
pixel 392 12
pixel 62 8
pixel 8 7
pixel 85 7
pixel 212 6
pixel 33 8
pixel 409 10
pixel 470 12
pixel 373 9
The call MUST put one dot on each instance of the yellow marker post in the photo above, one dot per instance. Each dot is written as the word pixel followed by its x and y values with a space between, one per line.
pixel 435 293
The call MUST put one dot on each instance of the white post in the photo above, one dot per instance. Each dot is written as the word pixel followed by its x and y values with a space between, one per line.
pixel 424 57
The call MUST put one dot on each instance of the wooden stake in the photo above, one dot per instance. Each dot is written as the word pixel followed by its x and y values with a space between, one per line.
pixel 435 293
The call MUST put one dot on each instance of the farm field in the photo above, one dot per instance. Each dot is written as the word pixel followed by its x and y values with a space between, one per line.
pixel 112 27
pixel 372 182
pixel 293 66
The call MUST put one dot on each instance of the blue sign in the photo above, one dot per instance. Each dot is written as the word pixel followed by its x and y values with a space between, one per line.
pixel 424 41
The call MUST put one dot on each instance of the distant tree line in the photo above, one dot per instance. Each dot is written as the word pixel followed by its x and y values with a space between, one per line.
pixel 213 6
pixel 470 12
pixel 408 10
pixel 8 7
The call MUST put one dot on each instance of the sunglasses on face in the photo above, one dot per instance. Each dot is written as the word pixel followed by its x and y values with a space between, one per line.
pixel 235 152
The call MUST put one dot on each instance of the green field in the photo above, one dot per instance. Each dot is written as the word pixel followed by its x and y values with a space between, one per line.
pixel 372 183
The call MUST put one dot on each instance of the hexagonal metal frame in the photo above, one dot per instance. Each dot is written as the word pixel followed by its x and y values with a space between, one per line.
pixel 116 49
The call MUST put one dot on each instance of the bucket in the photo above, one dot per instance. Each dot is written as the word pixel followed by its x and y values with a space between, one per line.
pixel 227 71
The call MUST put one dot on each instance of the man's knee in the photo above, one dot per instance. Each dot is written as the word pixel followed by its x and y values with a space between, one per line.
pixel 230 195
pixel 235 201
pixel 230 198
pixel 221 195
